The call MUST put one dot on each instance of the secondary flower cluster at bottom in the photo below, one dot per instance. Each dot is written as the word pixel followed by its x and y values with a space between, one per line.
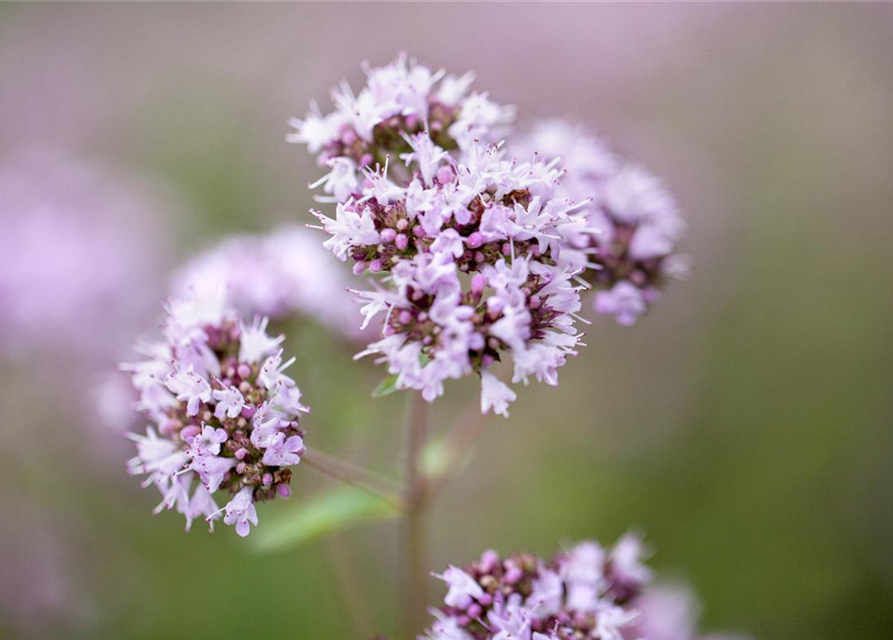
pixel 225 416
pixel 585 593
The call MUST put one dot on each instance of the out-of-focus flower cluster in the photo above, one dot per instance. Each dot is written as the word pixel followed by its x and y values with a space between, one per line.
pixel 82 245
pixel 626 233
pixel 276 275
pixel 585 593
pixel 224 415
pixel 468 242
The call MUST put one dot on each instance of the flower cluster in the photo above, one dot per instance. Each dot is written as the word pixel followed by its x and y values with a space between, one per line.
pixel 83 244
pixel 468 244
pixel 224 415
pixel 274 275
pixel 586 593
pixel 398 99
pixel 626 233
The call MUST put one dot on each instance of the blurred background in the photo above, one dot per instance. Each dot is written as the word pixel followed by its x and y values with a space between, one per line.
pixel 744 426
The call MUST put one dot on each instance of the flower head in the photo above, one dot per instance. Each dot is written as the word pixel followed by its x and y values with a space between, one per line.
pixel 225 415
pixel 572 596
pixel 400 100
pixel 275 275
pixel 82 247
pixel 465 243
pixel 625 234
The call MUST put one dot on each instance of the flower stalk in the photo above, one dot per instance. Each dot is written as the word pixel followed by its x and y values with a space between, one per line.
pixel 414 547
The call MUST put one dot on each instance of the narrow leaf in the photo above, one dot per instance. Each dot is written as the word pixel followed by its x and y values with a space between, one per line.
pixel 318 516
pixel 386 387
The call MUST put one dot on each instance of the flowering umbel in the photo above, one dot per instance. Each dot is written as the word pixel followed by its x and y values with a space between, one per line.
pixel 278 275
pixel 624 237
pixel 224 416
pixel 585 593
pixel 467 242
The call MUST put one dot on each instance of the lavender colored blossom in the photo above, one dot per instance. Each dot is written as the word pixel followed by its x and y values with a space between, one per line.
pixel 399 99
pixel 275 275
pixel 587 592
pixel 581 594
pixel 466 243
pixel 224 415
pixel 669 612
pixel 626 234
pixel 82 245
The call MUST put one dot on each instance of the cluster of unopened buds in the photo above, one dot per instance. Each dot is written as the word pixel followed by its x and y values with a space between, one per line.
pixel 481 256
pixel 224 416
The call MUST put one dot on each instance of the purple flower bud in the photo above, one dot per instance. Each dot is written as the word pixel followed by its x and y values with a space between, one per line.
pixel 401 241
pixel 170 427
pixel 513 575
pixel 475 240
pixel 388 235
pixel 189 432
pixel 478 282
pixel 358 267
pixel 375 265
pixel 445 174
pixel 283 490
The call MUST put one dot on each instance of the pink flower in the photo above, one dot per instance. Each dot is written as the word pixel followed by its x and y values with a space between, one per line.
pixel 624 301
pixel 462 588
pixel 495 394
pixel 240 511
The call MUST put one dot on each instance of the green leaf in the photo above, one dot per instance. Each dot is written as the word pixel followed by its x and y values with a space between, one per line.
pixel 386 387
pixel 318 516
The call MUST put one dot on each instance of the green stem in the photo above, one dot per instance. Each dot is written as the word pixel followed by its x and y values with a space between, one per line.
pixel 414 548
pixel 463 436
